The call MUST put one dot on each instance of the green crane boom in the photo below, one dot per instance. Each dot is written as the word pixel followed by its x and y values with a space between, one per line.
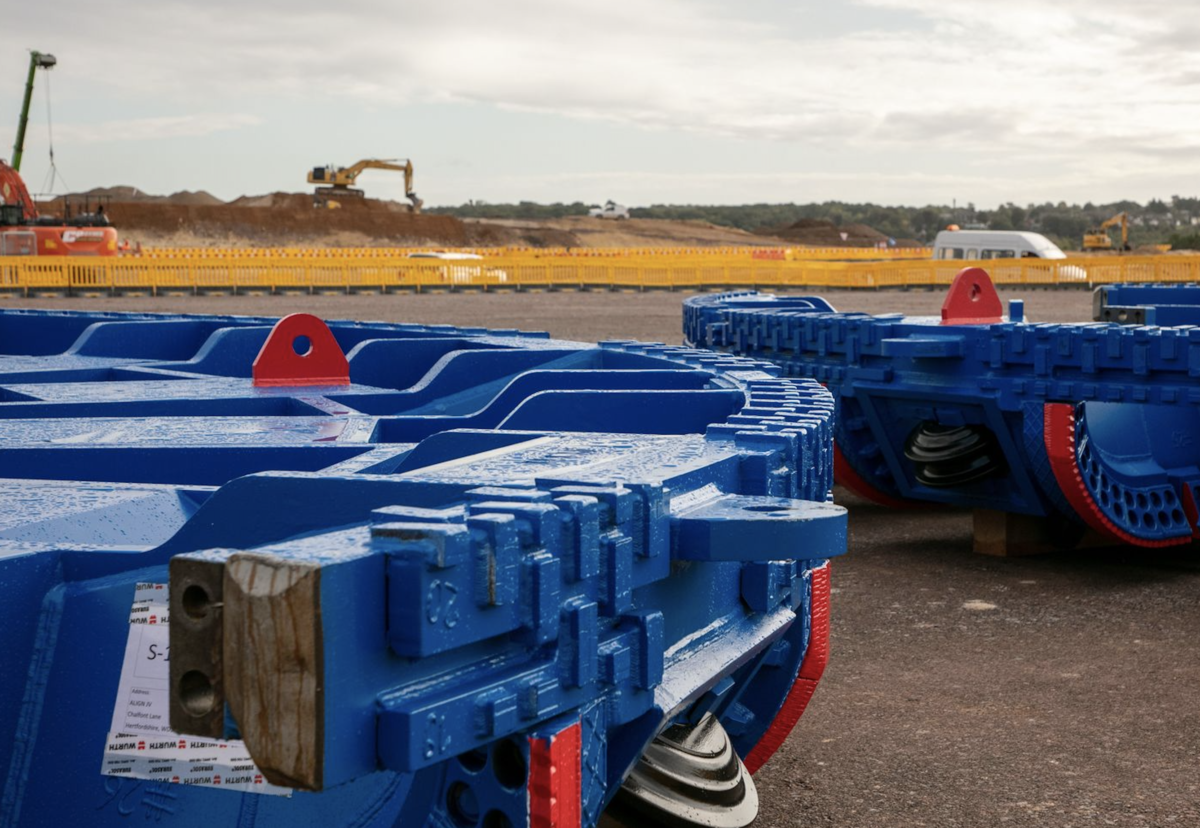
pixel 37 60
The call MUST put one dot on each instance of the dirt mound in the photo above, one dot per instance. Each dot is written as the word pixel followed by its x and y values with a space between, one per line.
pixel 290 219
pixel 810 224
pixel 199 219
pixel 126 194
pixel 304 201
pixel 282 226
pixel 292 201
pixel 195 197
pixel 581 231
pixel 863 233
pixel 488 234
pixel 122 193
pixel 823 233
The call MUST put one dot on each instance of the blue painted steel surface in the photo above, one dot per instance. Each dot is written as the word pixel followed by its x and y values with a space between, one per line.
pixel 514 536
pixel 1154 304
pixel 1096 424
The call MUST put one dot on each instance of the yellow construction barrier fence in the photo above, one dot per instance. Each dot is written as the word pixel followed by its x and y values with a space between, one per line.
pixel 781 253
pixel 235 272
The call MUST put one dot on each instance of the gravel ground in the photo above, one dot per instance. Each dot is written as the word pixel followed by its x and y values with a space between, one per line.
pixel 588 316
pixel 962 690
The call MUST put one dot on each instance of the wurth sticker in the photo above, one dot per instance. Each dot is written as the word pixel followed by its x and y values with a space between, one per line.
pixel 140 742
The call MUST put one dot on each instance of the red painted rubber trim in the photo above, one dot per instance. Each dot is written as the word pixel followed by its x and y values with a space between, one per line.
pixel 278 364
pixel 845 474
pixel 811 669
pixel 972 299
pixel 554 779
pixel 1058 434
pixel 1190 509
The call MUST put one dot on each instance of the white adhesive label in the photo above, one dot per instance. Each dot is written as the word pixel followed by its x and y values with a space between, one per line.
pixel 140 742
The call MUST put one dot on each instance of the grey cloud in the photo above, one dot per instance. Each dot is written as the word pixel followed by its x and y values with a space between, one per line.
pixel 965 125
pixel 989 77
pixel 152 129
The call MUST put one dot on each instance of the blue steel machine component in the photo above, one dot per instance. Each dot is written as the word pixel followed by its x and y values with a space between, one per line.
pixel 423 575
pixel 1088 425
pixel 1154 304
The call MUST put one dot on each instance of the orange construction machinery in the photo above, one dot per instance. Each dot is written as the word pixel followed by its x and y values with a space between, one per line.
pixel 25 232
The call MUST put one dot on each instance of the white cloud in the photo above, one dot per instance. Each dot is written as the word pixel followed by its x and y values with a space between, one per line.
pixel 151 129
pixel 1086 85
pixel 676 63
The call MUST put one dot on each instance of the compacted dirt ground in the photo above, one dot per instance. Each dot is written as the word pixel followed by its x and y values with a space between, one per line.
pixel 1057 691
pixel 198 219
pixel 590 316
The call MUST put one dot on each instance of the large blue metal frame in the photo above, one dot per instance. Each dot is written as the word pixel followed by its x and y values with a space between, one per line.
pixel 521 544
pixel 1092 423
pixel 1148 304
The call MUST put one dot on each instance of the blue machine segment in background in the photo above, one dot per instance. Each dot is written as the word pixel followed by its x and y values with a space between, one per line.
pixel 1088 425
pixel 1151 304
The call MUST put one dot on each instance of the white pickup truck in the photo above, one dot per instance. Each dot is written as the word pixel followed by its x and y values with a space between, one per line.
pixel 610 210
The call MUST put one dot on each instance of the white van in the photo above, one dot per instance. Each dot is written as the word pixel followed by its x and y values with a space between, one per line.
pixel 462 274
pixel 994 244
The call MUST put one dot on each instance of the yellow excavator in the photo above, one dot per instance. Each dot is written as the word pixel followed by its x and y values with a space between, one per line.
pixel 1097 238
pixel 338 182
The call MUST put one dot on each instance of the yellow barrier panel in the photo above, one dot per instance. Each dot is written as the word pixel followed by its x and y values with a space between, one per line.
pixel 767 253
pixel 241 272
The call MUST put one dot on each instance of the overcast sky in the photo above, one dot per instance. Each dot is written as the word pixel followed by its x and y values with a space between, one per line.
pixel 642 101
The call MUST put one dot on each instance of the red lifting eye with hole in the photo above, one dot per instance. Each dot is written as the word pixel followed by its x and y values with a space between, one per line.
pixel 972 299
pixel 300 350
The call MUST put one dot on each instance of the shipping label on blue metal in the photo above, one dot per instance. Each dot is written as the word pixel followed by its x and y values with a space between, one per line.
pixel 414 575
pixel 140 743
pixel 1091 425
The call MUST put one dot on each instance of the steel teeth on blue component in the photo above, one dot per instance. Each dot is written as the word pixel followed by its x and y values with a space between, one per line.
pixel 307 574
pixel 1094 424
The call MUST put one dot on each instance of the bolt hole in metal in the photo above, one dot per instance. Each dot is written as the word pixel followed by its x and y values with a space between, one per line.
pixel 1133 453
pixel 771 510
pixel 473 761
pixel 196 693
pixel 496 819
pixel 302 345
pixel 508 764
pixel 462 805
pixel 196 601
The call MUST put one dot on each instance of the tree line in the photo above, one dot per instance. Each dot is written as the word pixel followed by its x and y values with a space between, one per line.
pixel 1158 221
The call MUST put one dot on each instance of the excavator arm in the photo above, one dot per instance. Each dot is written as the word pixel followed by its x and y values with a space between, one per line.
pixel 1121 219
pixel 338 180
pixel 349 174
pixel 1097 238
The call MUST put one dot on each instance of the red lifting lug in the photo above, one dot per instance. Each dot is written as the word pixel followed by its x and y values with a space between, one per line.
pixel 300 350
pixel 972 299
